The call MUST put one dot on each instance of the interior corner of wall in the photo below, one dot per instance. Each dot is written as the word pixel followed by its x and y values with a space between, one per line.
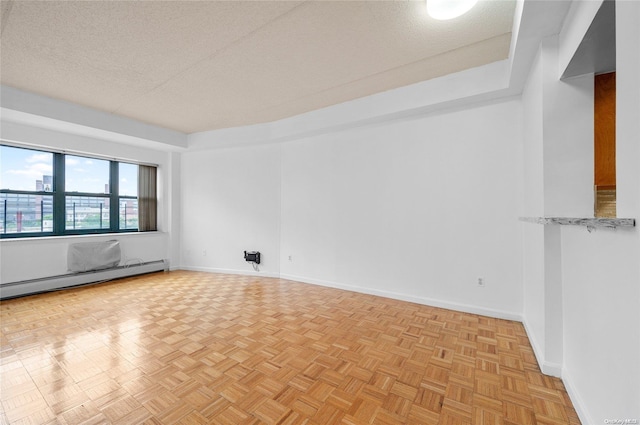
pixel 538 351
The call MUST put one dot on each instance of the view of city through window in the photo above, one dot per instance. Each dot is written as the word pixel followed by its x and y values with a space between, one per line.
pixel 27 184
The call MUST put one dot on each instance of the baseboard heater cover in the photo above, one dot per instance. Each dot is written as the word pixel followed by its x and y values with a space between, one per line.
pixel 91 256
pixel 45 284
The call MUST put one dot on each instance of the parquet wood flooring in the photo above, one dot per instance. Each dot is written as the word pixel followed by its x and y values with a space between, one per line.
pixel 199 348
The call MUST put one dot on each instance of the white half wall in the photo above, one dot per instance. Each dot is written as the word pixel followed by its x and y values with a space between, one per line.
pixel 34 258
pixel 601 297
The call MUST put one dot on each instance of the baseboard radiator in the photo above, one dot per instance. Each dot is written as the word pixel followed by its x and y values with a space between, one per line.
pixel 46 284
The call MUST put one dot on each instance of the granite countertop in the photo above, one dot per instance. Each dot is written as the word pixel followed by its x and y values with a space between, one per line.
pixel 589 223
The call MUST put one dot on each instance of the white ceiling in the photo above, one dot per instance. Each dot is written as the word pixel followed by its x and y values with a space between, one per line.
pixel 204 65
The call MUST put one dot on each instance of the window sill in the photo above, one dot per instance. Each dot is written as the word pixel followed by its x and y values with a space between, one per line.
pixel 84 236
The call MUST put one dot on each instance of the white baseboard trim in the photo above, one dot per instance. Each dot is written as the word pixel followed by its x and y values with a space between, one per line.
pixel 466 308
pixel 548 368
pixel 578 403
pixel 230 271
pixel 551 369
pixel 498 314
pixel 54 283
pixel 554 369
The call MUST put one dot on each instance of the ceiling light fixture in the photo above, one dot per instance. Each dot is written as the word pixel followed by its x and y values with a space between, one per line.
pixel 448 9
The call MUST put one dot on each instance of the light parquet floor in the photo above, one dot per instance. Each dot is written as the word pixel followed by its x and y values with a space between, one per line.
pixel 200 348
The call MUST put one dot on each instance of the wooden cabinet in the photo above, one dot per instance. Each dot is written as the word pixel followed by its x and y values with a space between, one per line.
pixel 605 145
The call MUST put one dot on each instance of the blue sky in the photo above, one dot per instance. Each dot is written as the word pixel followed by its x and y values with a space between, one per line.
pixel 20 168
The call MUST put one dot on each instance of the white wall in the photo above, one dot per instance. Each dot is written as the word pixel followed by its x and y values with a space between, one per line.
pixel 601 270
pixel 533 206
pixel 585 311
pixel 558 182
pixel 174 218
pixel 415 210
pixel 601 322
pixel 22 259
pixel 231 203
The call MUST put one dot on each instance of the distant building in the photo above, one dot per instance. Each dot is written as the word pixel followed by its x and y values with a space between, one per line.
pixel 47 183
pixel 28 212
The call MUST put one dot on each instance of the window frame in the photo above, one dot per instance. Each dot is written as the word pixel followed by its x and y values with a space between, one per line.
pixel 60 195
pixel 121 197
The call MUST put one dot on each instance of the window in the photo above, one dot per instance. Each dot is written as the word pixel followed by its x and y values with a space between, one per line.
pixel 26 191
pixel 128 196
pixel 87 193
pixel 51 194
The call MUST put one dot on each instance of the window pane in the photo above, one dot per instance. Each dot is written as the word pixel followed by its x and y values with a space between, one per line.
pixel 26 175
pixel 86 212
pixel 128 214
pixel 25 213
pixel 26 169
pixel 87 175
pixel 128 174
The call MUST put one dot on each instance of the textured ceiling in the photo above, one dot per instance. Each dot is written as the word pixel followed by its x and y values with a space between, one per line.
pixel 204 65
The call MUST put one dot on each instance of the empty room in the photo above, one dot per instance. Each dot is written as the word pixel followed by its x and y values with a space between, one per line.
pixel 320 212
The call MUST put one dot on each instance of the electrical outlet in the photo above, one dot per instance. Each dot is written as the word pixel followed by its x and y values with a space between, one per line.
pixel 204 252
pixel 290 258
pixel 481 282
